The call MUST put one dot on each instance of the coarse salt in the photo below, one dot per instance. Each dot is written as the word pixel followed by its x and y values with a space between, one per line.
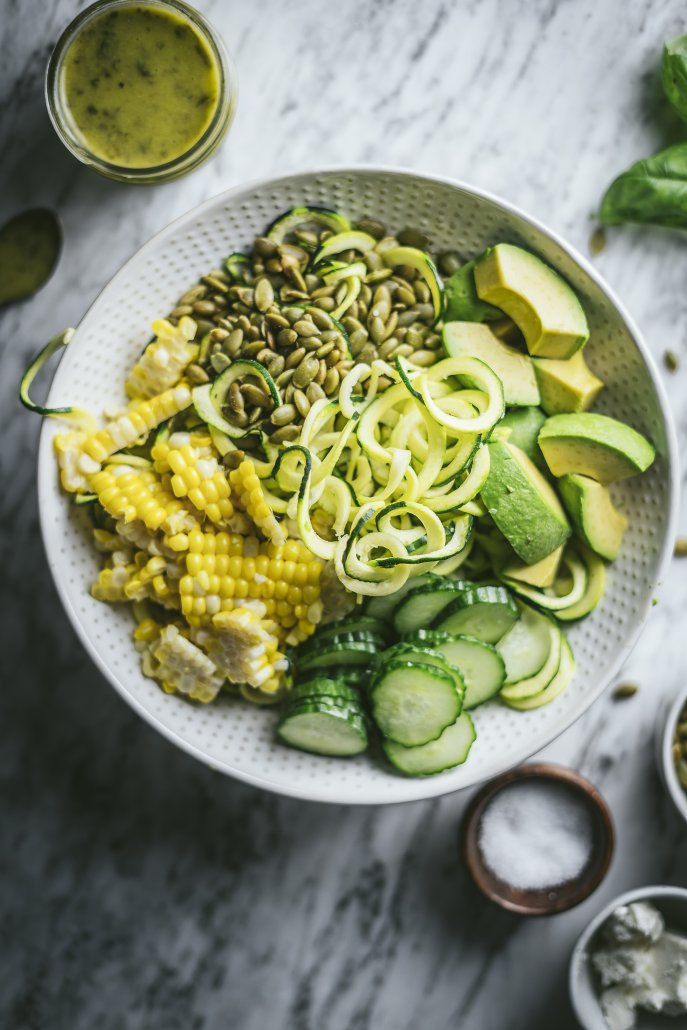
pixel 535 835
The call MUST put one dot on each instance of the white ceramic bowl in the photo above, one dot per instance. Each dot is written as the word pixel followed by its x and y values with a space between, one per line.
pixel 665 734
pixel 671 902
pixel 236 738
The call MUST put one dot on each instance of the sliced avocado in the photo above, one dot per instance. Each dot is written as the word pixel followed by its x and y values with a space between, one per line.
pixel 514 369
pixel 566 386
pixel 461 300
pixel 539 301
pixel 523 428
pixel 596 519
pixel 594 445
pixel 523 504
pixel 542 574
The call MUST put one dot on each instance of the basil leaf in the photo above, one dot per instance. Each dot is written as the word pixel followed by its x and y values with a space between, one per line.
pixel 674 73
pixel 652 191
pixel 461 301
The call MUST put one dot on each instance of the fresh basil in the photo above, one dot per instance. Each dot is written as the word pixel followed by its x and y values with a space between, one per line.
pixel 652 191
pixel 674 74
pixel 461 301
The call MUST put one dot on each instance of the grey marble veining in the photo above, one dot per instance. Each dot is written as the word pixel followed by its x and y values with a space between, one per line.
pixel 138 889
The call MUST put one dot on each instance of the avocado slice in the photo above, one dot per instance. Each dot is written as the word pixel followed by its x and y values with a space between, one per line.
pixel 461 301
pixel 566 386
pixel 542 574
pixel 540 302
pixel 596 519
pixel 514 369
pixel 523 504
pixel 594 445
pixel 521 428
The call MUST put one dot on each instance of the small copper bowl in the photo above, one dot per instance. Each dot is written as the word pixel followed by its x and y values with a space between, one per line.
pixel 538 902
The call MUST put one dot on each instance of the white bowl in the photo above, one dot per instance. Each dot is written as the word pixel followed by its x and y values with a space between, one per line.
pixel 236 738
pixel 666 726
pixel 671 902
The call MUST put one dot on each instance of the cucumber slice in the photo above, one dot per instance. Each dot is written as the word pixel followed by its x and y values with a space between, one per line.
pixel 235 265
pixel 325 687
pixel 324 731
pixel 480 664
pixel 359 652
pixel 594 591
pixel 351 624
pixel 351 239
pixel 209 398
pixel 413 702
pixel 483 612
pixel 291 219
pixel 407 651
pixel 572 599
pixel 352 675
pixel 562 680
pixel 535 684
pixel 422 605
pixel 361 636
pixel 382 607
pixel 423 264
pixel 451 748
pixel 526 646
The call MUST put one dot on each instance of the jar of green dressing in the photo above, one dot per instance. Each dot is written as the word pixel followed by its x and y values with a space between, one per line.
pixel 141 90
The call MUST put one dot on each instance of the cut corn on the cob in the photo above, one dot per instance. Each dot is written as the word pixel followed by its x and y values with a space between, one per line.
pixel 249 492
pixel 195 473
pixel 181 666
pixel 163 361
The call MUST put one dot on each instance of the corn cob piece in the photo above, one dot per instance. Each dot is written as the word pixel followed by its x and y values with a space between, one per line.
pixel 155 579
pixel 138 420
pixel 138 495
pixel 248 490
pixel 181 666
pixel 224 570
pixel 110 584
pixel 244 648
pixel 196 473
pixel 163 361
pixel 74 465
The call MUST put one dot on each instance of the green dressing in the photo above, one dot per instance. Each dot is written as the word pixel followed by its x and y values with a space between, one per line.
pixel 140 85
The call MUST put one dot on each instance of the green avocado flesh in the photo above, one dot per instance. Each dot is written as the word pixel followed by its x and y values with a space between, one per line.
pixel 596 519
pixel 514 369
pixel 540 302
pixel 594 445
pixel 541 574
pixel 566 386
pixel 523 504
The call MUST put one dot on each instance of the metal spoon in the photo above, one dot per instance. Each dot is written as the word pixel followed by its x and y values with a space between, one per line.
pixel 30 245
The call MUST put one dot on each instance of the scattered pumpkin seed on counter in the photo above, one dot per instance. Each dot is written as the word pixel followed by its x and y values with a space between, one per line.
pixel 308 310
pixel 680 748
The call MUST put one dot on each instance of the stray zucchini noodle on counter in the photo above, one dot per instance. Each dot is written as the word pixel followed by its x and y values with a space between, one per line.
pixel 360 484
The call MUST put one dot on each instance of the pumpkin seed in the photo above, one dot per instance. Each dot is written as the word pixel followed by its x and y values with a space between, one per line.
pixel 275 364
pixel 368 353
pixel 283 415
pixel 320 318
pixel 197 374
pixel 285 377
pixel 326 303
pixel 273 265
pixel 390 326
pixel 331 382
pixel 421 290
pixel 219 362
pixel 324 350
pixel 276 318
pixel 264 294
pixel 295 357
pixel 195 293
pixel 286 337
pixel 285 434
pixel 293 315
pixel 449 262
pixel 306 371
pixel 217 335
pixel 415 336
pixel 625 690
pixel 414 238
pixel 264 246
pixel 312 281
pixel 252 349
pixel 424 358
pixel 333 357
pixel 378 275
pixel 305 328
pixel 323 291
pixel 433 341
pixel 373 260
pixel 181 310
pixel 302 403
pixel 405 296
pixel 216 283
pixel 680 547
pixel 321 373
pixel 264 355
pixel 315 393
pixel 372 227
pixel 243 323
pixel 255 396
pixel 310 239
pixel 386 243
pixel 376 328
pixel 235 398
pixel 388 347
pixel 403 351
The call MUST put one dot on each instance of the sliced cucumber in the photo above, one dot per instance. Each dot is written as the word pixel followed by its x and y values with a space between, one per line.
pixel 483 612
pixel 594 591
pixel 359 652
pixel 382 607
pixel 480 664
pixel 451 748
pixel 413 702
pixel 324 731
pixel 351 675
pixel 279 229
pixel 315 644
pixel 422 605
pixel 535 684
pixel 526 645
pixel 422 263
pixel 550 598
pixel 408 651
pixel 235 265
pixel 562 680
pixel 324 686
pixel 351 239
pixel 351 624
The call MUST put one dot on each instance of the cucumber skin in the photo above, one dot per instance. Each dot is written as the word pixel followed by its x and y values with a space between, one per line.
pixel 435 671
pixel 355 724
pixel 318 659
pixel 395 752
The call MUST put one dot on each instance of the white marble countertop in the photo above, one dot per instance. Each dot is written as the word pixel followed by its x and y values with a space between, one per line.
pixel 139 889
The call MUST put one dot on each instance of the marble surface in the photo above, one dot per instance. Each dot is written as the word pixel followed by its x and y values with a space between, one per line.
pixel 137 888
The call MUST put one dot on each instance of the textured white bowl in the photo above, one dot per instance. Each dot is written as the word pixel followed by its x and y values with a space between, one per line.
pixel 237 738
pixel 672 903
pixel 665 734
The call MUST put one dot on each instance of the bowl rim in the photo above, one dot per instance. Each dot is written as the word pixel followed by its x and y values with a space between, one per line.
pixel 678 794
pixel 429 787
pixel 578 955
pixel 550 772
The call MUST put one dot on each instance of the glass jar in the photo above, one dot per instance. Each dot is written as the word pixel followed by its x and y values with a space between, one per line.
pixel 75 136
